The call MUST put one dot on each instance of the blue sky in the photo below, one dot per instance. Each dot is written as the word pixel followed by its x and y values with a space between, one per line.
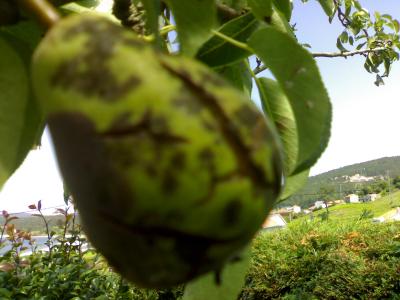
pixel 365 118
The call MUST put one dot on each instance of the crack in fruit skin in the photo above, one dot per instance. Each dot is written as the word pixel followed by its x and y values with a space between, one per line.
pixel 173 170
pixel 228 130
pixel 144 125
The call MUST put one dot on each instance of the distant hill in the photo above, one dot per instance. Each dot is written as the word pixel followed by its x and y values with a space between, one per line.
pixel 346 180
pixel 22 215
pixel 27 222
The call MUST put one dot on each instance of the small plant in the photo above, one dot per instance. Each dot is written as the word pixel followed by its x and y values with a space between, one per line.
pixel 69 269
pixel 366 214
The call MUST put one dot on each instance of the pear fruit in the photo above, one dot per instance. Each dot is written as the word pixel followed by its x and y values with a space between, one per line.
pixel 172 169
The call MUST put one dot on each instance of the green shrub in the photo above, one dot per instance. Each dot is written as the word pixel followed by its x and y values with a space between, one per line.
pixel 326 260
pixel 65 270
pixel 307 260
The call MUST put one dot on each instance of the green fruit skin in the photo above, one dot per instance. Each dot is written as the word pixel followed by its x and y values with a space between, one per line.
pixel 172 169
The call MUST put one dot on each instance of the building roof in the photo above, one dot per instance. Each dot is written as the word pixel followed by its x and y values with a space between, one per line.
pixel 274 220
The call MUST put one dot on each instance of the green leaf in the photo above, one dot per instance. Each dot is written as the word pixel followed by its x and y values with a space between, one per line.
pixel 277 106
pixel 232 280
pixel 328 6
pixel 285 7
pixel 239 75
pixel 236 4
pixel 19 117
pixel 86 6
pixel 396 26
pixel 298 75
pixel 152 8
pixel 27 31
pixel 344 37
pixel 340 46
pixel 293 184
pixel 278 20
pixel 262 9
pixel 218 52
pixel 194 21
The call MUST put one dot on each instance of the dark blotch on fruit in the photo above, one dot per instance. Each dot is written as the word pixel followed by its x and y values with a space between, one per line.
pixel 80 150
pixel 121 121
pixel 178 160
pixel 159 124
pixel 88 72
pixel 213 79
pixel 151 170
pixel 232 212
pixel 169 182
pixel 247 116
pixel 207 156
pixel 188 101
pixel 192 249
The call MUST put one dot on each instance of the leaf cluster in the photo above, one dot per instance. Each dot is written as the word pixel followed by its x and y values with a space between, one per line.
pixel 68 269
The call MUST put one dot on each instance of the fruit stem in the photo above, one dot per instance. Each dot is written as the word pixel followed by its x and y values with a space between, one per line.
pixel 41 10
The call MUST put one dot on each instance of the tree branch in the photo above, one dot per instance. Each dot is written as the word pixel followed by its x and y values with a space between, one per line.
pixel 261 68
pixel 348 53
pixel 227 13
pixel 41 10
pixel 344 20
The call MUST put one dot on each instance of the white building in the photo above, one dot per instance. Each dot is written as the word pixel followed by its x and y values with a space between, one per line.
pixel 352 198
pixel 360 178
pixel 372 197
pixel 294 209
pixel 319 204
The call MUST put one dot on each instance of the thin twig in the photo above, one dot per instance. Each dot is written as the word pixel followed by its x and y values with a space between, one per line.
pixel 344 20
pixel 41 10
pixel 261 68
pixel 348 53
pixel 228 13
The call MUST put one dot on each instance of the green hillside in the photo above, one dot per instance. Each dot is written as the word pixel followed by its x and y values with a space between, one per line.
pixel 35 224
pixel 353 211
pixel 340 185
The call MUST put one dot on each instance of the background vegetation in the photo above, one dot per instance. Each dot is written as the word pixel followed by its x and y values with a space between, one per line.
pixel 345 257
pixel 339 186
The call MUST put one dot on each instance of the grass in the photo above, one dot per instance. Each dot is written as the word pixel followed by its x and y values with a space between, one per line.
pixel 326 260
pixel 352 211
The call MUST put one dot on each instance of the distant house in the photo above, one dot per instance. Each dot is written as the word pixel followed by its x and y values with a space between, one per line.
pixel 372 197
pixel 319 204
pixel 360 178
pixel 294 209
pixel 274 221
pixel 352 198
pixel 285 211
